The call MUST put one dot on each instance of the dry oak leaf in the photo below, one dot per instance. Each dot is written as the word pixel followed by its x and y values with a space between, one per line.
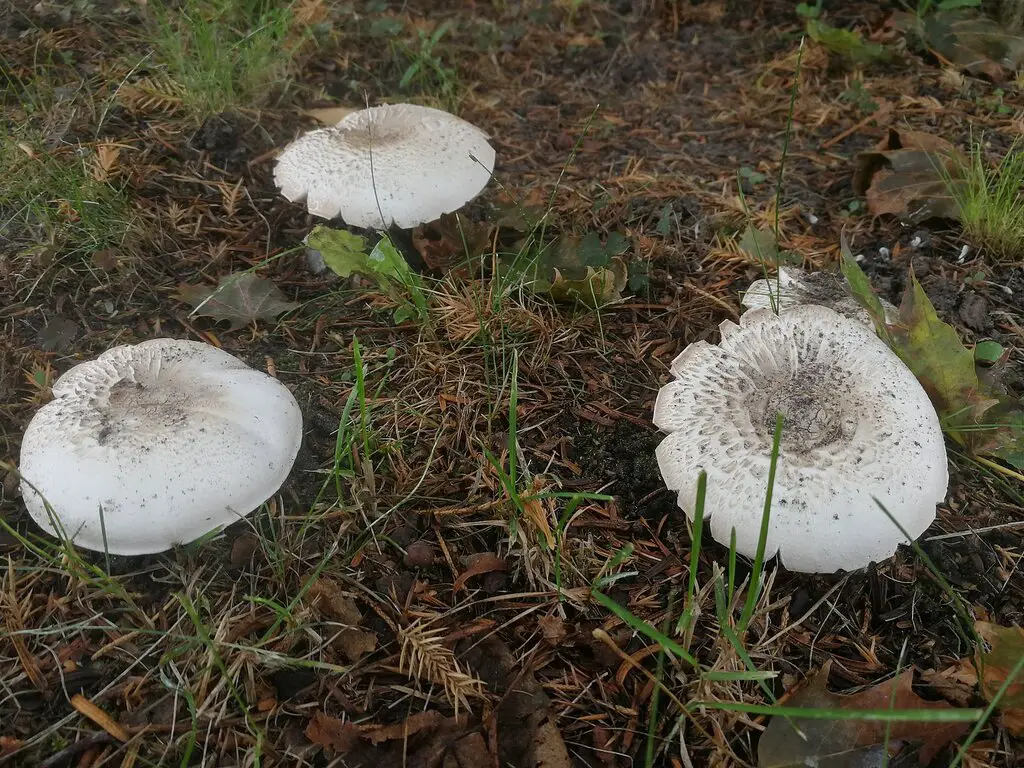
pixel 239 299
pixel 332 733
pixel 853 743
pixel 479 564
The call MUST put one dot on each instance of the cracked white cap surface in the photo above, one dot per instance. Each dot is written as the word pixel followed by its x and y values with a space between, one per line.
pixel 399 163
pixel 795 287
pixel 171 439
pixel 857 425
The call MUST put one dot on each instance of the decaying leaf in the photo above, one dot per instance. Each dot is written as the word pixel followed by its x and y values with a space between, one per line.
pixel 971 411
pixel 58 334
pixel 239 299
pixel 527 734
pixel 471 751
pixel 972 42
pixel 328 597
pixel 910 174
pixel 451 241
pixel 549 748
pixel 761 247
pixel 553 629
pixel 332 733
pixel 410 727
pixel 853 743
pixel 1005 650
pixel 482 563
pixel 596 288
pixel 576 270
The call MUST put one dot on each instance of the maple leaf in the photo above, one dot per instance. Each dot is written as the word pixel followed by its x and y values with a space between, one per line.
pixel 239 299
pixel 853 743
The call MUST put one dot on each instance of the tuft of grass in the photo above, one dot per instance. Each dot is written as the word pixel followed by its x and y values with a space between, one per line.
pixel 991 200
pixel 425 71
pixel 55 197
pixel 224 53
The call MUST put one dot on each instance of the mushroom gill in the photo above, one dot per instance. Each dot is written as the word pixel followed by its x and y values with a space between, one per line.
pixel 857 427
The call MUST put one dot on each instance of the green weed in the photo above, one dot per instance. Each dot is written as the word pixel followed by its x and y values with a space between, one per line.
pixel 224 53
pixel 54 196
pixel 991 200
pixel 425 70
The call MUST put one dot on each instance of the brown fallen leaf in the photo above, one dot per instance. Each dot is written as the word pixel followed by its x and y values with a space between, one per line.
pixel 450 241
pixel 329 599
pixel 603 740
pixel 242 550
pixel 421 721
pixel 355 643
pixel 905 175
pixel 482 563
pixel 971 42
pixel 549 749
pixel 1006 648
pixel 526 734
pixel 471 751
pixel 553 629
pixel 332 733
pixel 239 299
pixel 852 743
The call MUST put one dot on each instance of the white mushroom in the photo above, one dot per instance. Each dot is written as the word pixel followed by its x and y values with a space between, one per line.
pixel 794 287
pixel 156 444
pixel 857 425
pixel 402 164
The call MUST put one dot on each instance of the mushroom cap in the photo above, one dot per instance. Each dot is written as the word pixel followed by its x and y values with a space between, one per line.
pixel 857 425
pixel 795 287
pixel 172 439
pixel 400 163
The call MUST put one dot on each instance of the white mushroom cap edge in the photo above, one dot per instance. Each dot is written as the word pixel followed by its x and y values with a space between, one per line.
pixel 402 163
pixel 171 439
pixel 795 287
pixel 857 425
